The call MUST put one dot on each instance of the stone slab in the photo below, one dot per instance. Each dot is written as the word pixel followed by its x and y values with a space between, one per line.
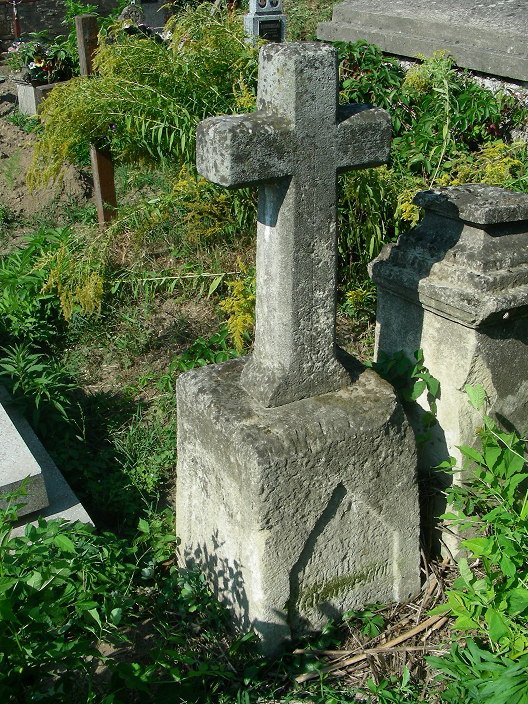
pixel 468 258
pixel 300 512
pixel 481 35
pixel 16 463
pixel 61 501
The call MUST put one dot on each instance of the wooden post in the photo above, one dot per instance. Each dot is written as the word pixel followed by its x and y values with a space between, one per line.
pixel 102 165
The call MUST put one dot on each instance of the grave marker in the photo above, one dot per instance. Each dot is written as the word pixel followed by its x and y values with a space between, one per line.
pixel 293 146
pixel 265 21
pixel 101 159
pixel 296 490
pixel 456 286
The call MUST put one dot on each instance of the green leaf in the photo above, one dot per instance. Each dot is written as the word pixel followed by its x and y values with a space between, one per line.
pixel 215 283
pixel 86 605
pixel 143 526
pixel 477 395
pixel 472 454
pixel 6 611
pixel 496 624
pixel 507 566
pixel 64 543
pixel 95 615
pixel 518 600
pixel 35 580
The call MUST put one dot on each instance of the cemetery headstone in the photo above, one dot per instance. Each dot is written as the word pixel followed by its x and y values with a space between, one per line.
pixel 456 286
pixel 101 159
pixel 296 489
pixel 133 13
pixel 265 21
pixel 22 455
pixel 483 36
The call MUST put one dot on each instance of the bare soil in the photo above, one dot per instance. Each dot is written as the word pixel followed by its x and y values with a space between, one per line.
pixel 16 154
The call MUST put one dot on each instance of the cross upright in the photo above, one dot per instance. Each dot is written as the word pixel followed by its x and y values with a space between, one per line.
pixel 293 146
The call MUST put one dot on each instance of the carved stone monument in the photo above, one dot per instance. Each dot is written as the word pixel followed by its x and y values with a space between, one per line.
pixel 296 489
pixel 133 13
pixel 456 286
pixel 265 21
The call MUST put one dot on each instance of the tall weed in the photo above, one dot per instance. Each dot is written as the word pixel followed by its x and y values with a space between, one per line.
pixel 147 97
pixel 491 595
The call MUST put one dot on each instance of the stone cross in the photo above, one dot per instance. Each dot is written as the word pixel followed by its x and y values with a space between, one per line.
pixel 293 146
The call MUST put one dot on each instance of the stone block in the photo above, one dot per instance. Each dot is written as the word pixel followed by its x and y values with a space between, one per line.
pixel 30 97
pixel 17 463
pixel 49 495
pixel 301 512
pixel 490 37
pixel 456 286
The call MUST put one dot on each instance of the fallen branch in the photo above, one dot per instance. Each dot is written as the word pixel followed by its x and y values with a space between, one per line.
pixel 437 621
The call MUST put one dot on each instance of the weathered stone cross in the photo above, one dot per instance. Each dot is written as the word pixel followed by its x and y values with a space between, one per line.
pixel 293 146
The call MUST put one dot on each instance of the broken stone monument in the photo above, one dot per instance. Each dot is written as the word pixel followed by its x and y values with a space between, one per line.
pixel 22 455
pixel 482 35
pixel 296 487
pixel 456 286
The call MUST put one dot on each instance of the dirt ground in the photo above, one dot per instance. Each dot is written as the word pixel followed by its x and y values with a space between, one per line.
pixel 16 153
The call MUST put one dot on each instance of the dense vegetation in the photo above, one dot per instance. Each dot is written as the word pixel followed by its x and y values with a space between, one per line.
pixel 78 300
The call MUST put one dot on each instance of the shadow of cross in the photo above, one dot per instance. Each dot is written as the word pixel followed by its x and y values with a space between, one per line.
pixel 293 146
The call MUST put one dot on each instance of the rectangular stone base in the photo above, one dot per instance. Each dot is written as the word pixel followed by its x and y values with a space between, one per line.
pixel 296 513
pixel 21 455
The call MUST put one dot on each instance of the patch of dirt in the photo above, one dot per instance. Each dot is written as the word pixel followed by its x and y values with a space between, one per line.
pixel 16 154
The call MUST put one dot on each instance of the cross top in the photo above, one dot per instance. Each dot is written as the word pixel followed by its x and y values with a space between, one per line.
pixel 293 146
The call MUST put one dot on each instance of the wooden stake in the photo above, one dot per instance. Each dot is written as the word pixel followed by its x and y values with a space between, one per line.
pixel 102 165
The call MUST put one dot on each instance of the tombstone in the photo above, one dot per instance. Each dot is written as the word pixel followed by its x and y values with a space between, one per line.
pixel 265 21
pixel 296 489
pixel 456 286
pixel 156 13
pixel 22 455
pixel 132 13
pixel 483 36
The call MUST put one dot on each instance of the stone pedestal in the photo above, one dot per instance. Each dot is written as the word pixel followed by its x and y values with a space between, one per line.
pixel 297 513
pixel 30 97
pixel 456 286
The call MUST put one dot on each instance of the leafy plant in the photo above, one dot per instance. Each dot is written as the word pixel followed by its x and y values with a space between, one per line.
pixel 26 312
pixel 410 380
pixel 11 170
pixel 241 305
pixel 146 449
pixel 494 505
pixel 36 383
pixel 371 622
pixel 27 123
pixel 47 60
pixel 474 676
pixel 202 352
pixel 148 97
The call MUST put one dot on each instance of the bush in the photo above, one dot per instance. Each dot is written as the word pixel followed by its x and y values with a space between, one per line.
pixel 147 97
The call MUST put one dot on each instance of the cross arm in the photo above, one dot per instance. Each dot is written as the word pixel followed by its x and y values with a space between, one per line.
pixel 363 136
pixel 241 150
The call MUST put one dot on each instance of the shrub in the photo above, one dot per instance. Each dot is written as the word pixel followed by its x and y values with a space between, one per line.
pixel 147 97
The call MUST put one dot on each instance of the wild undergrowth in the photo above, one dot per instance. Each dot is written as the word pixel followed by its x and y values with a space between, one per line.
pixel 148 96
pixel 96 325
